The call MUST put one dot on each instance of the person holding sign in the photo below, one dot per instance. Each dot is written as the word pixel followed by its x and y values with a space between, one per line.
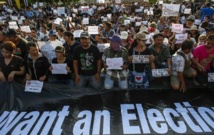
pixel 108 31
pixel 37 65
pixel 115 60
pixel 87 63
pixel 11 66
pixel 140 58
pixel 59 60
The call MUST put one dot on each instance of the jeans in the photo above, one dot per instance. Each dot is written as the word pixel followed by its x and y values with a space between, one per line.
pixel 109 83
pixel 90 80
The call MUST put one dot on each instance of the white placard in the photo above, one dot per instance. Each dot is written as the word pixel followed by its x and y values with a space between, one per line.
pixel 41 4
pixel 180 38
pixel 60 10
pixel 127 22
pixel 77 33
pixel 33 86
pixel 22 18
pixel 13 25
pixel 178 28
pixel 170 9
pixel 142 7
pixel 93 30
pixel 20 21
pixel 187 10
pixel 140 59
pixel 69 18
pixel 14 18
pixel 84 8
pixel 137 23
pixel 150 12
pixel 35 6
pixel 59 68
pixel 160 72
pixel 102 47
pixel 25 29
pixel 117 1
pixel 109 16
pixel 146 10
pixel 114 63
pixel 75 10
pixel 41 43
pixel 160 2
pixel 57 21
pixel 144 22
pixel 210 77
pixel 85 21
pixel 139 10
pixel 197 22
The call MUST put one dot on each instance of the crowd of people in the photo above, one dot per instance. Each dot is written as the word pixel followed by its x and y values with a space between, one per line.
pixel 130 46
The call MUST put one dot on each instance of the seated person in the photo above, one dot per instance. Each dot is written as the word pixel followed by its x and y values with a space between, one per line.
pixel 181 66
pixel 116 51
pixel 204 54
pixel 62 59
pixel 12 67
pixel 37 65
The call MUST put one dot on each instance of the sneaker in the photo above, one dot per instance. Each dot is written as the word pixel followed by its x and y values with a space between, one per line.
pixel 196 82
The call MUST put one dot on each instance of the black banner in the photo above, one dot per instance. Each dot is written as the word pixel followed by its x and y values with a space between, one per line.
pixel 61 110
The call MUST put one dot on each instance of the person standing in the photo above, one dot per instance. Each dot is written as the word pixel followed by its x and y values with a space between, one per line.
pixel 87 63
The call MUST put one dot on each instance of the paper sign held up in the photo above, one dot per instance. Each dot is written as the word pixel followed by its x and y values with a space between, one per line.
pixel 13 25
pixel 102 47
pixel 178 28
pixel 33 86
pixel 140 59
pixel 187 10
pixel 114 63
pixel 93 29
pixel 25 29
pixel 180 38
pixel 85 21
pixel 160 72
pixel 170 9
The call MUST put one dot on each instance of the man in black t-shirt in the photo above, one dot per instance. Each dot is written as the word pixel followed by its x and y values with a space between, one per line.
pixel 21 44
pixel 87 63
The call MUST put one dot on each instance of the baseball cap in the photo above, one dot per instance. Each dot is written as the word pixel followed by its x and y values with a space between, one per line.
pixel 60 49
pixel 124 35
pixel 115 38
pixel 84 34
pixel 11 32
pixel 52 33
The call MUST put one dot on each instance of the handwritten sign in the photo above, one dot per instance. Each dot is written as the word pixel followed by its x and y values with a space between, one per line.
pixel 57 21
pixel 178 28
pixel 180 38
pixel 59 68
pixel 25 29
pixel 187 10
pixel 137 23
pixel 160 72
pixel 150 12
pixel 139 10
pixel 41 4
pixel 93 30
pixel 75 10
pixel 170 9
pixel 160 2
pixel 33 86
pixel 127 22
pixel 102 47
pixel 117 1
pixel 114 63
pixel 210 77
pixel 197 22
pixel 13 25
pixel 14 18
pixel 140 59
pixel 35 6
pixel 84 8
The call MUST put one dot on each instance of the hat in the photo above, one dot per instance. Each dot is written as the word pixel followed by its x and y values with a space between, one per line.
pixel 84 34
pixel 60 49
pixel 11 32
pixel 193 27
pixel 115 38
pixel 52 33
pixel 124 35
pixel 191 17
pixel 140 36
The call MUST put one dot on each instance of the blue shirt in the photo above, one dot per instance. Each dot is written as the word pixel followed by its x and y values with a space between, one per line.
pixel 206 11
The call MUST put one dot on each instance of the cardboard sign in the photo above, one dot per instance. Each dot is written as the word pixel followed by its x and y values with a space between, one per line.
pixel 140 59
pixel 178 28
pixel 210 77
pixel 180 38
pixel 13 25
pixel 160 72
pixel 114 63
pixel 33 86
pixel 187 10
pixel 170 9
pixel 103 46
pixel 25 29
pixel 93 30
